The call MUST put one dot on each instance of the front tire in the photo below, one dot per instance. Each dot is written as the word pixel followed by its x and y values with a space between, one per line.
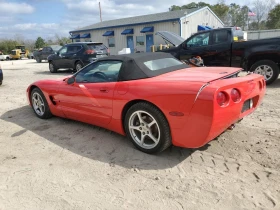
pixel 52 67
pixel 39 104
pixel 267 68
pixel 38 60
pixel 147 128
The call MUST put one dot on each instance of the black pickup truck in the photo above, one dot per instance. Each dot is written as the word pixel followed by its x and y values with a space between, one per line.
pixel 220 47
pixel 43 54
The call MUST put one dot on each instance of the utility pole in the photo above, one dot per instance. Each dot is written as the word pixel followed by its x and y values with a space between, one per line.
pixel 100 12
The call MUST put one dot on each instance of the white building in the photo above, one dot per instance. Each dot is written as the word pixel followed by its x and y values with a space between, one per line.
pixel 138 33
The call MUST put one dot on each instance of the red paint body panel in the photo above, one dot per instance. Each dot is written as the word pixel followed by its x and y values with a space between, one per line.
pixel 191 92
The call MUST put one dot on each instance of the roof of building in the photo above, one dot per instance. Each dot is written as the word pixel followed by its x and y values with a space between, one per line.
pixel 157 17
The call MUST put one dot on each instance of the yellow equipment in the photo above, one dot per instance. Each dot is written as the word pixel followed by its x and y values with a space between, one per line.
pixel 19 53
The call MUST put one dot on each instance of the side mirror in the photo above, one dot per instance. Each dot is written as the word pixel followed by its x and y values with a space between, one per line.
pixel 71 80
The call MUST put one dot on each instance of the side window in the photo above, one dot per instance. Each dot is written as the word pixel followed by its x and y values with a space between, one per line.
pixel 100 71
pixel 198 40
pixel 45 49
pixel 74 48
pixel 63 50
pixel 220 36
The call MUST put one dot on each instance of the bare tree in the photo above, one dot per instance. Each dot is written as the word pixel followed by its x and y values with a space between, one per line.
pixel 261 9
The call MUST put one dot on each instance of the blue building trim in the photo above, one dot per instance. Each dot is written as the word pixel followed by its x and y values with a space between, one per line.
pixel 109 33
pixel 85 36
pixel 147 29
pixel 128 31
pixel 125 25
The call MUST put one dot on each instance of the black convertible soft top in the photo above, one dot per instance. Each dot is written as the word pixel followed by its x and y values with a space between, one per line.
pixel 133 66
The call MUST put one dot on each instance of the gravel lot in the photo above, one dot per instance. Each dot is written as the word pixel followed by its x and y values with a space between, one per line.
pixel 63 164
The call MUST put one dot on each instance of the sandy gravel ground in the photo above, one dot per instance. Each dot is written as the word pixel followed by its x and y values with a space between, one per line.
pixel 63 164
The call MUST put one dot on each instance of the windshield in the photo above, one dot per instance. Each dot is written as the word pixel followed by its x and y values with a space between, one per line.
pixel 97 46
pixel 55 47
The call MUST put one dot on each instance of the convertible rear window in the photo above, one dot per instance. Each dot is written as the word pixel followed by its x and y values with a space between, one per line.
pixel 162 63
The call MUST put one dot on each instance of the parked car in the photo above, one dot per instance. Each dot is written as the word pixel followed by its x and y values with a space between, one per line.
pixel 217 48
pixel 1 76
pixel 77 55
pixel 4 57
pixel 153 98
pixel 42 54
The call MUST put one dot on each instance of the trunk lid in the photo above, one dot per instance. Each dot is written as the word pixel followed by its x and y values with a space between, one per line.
pixel 201 74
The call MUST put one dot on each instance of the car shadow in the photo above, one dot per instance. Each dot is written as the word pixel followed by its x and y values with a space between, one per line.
pixel 94 142
pixel 275 84
pixel 66 72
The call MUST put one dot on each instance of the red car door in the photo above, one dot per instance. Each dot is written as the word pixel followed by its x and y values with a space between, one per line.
pixel 88 102
pixel 90 97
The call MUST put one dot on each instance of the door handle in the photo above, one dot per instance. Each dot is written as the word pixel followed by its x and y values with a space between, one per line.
pixel 104 90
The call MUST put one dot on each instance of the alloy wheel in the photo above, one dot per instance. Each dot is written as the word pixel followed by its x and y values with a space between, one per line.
pixel 38 104
pixel 144 129
pixel 264 70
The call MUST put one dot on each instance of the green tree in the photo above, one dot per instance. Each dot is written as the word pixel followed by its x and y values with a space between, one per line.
pixel 62 40
pixel 174 7
pixel 40 42
pixel 221 10
pixel 262 8
pixel 238 15
pixel 273 20
pixel 189 6
pixel 6 46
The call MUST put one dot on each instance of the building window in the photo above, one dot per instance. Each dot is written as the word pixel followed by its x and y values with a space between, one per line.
pixel 140 40
pixel 77 40
pixel 111 42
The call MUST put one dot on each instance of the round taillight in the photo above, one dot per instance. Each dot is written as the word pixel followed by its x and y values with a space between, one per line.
pixel 222 98
pixel 235 95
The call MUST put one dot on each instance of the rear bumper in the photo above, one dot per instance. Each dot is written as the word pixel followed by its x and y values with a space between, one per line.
pixel 208 119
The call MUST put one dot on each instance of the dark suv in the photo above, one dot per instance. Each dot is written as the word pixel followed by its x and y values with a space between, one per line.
pixel 77 55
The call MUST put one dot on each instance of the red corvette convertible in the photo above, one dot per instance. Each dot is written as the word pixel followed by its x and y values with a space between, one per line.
pixel 153 98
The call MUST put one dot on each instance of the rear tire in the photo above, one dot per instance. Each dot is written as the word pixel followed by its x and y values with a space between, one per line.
pixel 39 104
pixel 78 66
pixel 147 128
pixel 267 68
pixel 52 67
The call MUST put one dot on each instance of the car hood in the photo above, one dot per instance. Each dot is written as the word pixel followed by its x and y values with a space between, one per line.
pixel 171 37
pixel 200 74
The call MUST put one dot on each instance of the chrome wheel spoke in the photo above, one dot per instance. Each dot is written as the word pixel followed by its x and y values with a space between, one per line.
pixel 138 128
pixel 154 139
pixel 142 139
pixel 151 123
pixel 140 117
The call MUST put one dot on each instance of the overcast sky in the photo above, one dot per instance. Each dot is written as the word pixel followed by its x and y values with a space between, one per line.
pixel 45 18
